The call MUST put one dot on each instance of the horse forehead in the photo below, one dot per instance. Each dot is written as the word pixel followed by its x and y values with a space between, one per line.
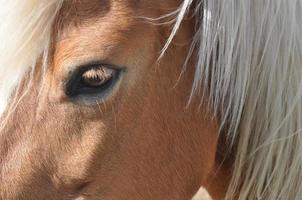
pixel 77 10
pixel 83 9
pixel 111 15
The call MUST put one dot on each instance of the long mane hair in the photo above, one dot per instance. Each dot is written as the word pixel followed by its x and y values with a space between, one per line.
pixel 249 63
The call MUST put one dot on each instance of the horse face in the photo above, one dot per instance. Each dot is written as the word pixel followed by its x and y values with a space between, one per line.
pixel 105 120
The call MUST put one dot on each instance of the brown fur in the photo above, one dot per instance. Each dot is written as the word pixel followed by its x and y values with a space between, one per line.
pixel 142 143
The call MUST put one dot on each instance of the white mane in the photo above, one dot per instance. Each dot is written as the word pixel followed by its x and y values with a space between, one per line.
pixel 25 30
pixel 250 57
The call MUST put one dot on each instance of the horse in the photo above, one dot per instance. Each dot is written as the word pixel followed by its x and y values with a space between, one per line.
pixel 141 100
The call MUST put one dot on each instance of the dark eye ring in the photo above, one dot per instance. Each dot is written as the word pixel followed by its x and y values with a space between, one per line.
pixel 92 83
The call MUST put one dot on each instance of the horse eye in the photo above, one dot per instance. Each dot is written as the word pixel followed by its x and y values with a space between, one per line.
pixel 92 83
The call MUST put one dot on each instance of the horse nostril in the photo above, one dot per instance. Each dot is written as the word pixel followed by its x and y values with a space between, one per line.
pixel 81 187
pixel 79 192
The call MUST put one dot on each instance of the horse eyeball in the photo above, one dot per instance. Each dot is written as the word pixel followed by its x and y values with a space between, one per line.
pixel 97 77
pixel 92 83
